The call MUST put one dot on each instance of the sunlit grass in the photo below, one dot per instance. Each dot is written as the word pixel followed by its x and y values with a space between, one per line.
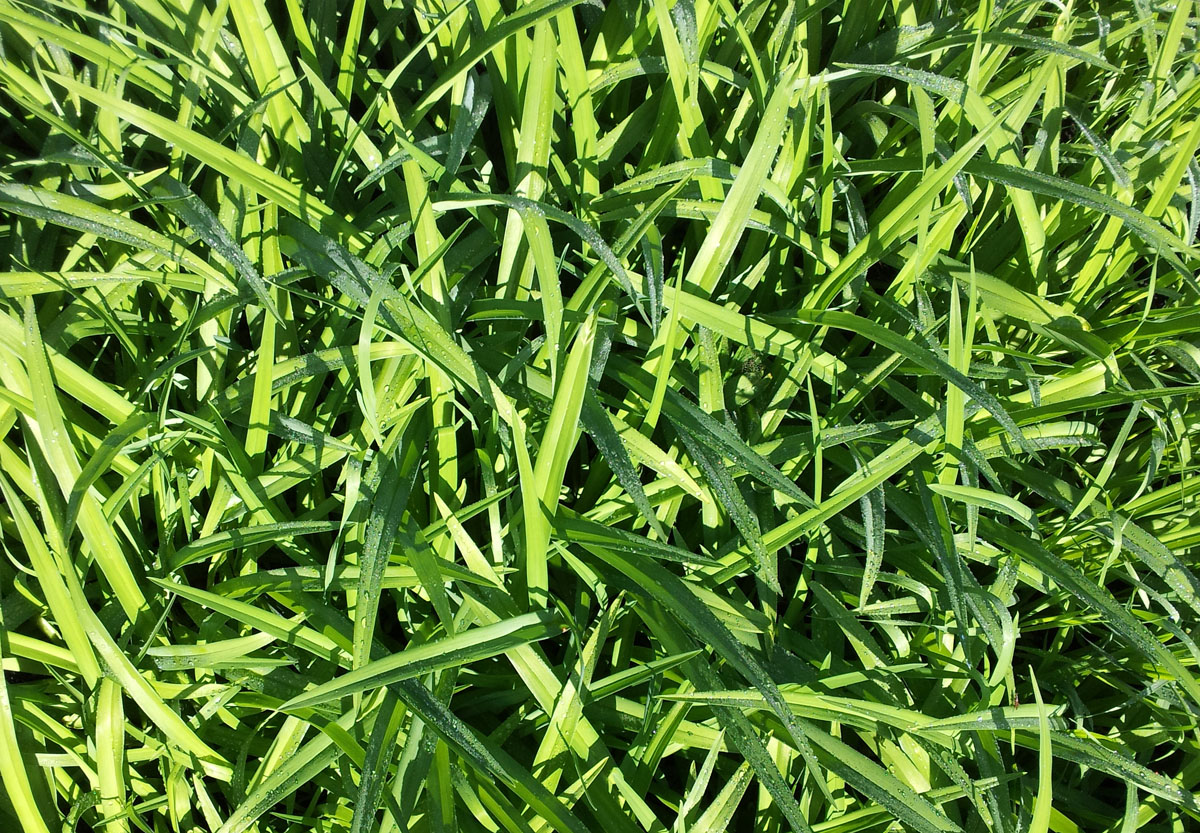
pixel 643 416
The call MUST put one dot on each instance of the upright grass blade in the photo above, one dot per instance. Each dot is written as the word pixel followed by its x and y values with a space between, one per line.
pixel 13 770
pixel 557 444
pixel 392 483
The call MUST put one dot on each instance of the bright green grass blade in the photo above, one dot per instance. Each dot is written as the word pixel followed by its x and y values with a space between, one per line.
pixel 881 786
pixel 310 760
pixel 110 752
pixel 555 449
pixel 79 214
pixel 283 629
pixel 988 500
pixel 13 772
pixel 722 237
pixel 223 542
pixel 56 445
pixel 474 644
pixel 1042 806
pixel 718 814
pixel 671 592
pixel 1162 241
pixel 391 479
pixel 240 169
pixel 489 759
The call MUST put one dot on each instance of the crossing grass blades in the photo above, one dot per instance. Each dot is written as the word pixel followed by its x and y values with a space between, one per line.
pixel 639 416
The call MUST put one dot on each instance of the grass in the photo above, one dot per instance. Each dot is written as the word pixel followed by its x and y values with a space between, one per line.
pixel 643 416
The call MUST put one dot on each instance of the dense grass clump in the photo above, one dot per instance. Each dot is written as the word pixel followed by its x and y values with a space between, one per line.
pixel 641 416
